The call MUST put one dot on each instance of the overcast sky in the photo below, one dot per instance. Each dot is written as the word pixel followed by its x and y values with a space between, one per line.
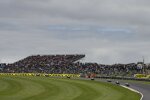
pixel 106 31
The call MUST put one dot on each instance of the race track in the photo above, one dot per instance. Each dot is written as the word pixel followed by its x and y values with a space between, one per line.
pixel 143 87
pixel 46 88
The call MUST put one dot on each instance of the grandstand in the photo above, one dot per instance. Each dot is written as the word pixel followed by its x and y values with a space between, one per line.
pixel 69 64
pixel 43 64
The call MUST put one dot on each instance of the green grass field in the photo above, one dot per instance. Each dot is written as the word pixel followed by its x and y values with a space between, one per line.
pixel 46 88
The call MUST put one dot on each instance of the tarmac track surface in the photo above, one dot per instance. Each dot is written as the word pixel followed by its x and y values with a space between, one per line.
pixel 139 86
pixel 143 88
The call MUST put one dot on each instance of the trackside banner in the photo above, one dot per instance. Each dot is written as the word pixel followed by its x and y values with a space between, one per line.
pixel 142 76
pixel 41 74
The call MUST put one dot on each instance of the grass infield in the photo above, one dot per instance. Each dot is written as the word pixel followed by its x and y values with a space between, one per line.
pixel 46 88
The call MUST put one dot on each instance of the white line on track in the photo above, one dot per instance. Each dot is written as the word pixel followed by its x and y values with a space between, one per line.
pixel 134 91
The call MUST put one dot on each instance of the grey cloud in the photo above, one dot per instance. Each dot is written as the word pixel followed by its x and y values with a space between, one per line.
pixel 80 9
pixel 107 31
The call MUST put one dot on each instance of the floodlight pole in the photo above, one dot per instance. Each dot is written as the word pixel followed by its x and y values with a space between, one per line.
pixel 144 70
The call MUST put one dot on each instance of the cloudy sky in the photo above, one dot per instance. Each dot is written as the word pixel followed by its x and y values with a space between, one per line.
pixel 107 31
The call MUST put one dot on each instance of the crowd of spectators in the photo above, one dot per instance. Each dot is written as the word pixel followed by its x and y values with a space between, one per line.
pixel 43 64
pixel 60 64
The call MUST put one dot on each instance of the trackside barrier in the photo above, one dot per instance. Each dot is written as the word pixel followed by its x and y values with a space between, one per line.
pixel 125 78
pixel 40 74
pixel 148 76
pixel 141 76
